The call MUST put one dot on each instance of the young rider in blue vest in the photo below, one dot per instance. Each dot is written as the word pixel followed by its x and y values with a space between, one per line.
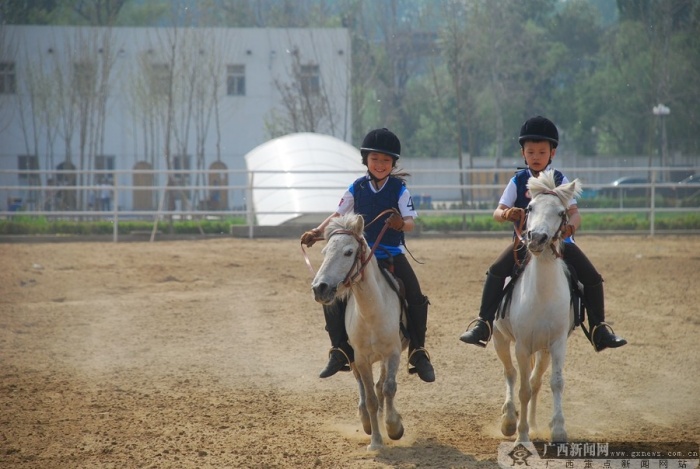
pixel 538 144
pixel 380 189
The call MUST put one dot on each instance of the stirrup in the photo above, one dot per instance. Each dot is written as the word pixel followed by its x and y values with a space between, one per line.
pixel 605 325
pixel 413 370
pixel 481 343
pixel 345 367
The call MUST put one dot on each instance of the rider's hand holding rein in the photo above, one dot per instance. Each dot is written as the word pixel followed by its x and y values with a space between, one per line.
pixel 310 237
pixel 514 214
pixel 567 231
pixel 395 222
pixel 572 224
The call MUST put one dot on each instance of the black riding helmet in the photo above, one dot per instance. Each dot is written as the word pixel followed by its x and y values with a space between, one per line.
pixel 537 129
pixel 382 141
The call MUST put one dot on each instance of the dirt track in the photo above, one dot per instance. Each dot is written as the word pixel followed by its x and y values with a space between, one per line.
pixel 206 354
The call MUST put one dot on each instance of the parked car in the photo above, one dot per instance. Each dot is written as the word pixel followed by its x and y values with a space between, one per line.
pixel 617 187
pixel 686 188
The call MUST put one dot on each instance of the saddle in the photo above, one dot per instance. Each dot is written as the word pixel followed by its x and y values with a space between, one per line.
pixel 575 288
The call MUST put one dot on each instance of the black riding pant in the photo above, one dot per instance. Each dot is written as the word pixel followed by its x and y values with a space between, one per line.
pixel 573 256
pixel 404 271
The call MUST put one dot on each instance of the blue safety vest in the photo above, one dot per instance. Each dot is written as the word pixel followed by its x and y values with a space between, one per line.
pixel 370 204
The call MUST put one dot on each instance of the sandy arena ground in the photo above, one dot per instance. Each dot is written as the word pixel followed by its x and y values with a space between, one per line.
pixel 205 354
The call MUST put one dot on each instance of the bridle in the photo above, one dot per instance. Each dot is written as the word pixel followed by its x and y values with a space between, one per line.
pixel 360 261
pixel 520 240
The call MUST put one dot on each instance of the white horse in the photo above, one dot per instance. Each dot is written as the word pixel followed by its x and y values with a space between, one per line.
pixel 540 316
pixel 372 320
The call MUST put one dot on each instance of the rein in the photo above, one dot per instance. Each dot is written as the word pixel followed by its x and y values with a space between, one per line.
pixel 360 256
pixel 519 239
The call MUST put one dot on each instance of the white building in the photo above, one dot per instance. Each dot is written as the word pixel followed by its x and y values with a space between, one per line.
pixel 151 98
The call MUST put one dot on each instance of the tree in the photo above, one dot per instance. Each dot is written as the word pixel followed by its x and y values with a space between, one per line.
pixel 98 12
pixel 578 27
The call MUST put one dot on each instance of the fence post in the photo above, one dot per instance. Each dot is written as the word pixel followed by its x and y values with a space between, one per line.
pixel 652 214
pixel 115 211
pixel 250 216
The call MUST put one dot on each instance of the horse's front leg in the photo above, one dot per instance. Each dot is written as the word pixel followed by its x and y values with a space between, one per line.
pixel 392 418
pixel 364 369
pixel 558 352
pixel 524 366
pixel 542 359
pixel 362 404
pixel 509 416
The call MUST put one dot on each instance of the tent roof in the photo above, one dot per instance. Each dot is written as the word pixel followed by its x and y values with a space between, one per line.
pixel 301 174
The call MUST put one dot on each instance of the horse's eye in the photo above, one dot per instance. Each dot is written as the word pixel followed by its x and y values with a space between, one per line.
pixel 562 214
pixel 349 253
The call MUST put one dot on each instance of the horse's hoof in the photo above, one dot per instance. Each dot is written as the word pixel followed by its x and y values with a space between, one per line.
pixel 559 436
pixel 396 435
pixel 375 446
pixel 508 428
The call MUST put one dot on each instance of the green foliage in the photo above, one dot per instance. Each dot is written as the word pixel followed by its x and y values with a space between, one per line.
pixel 25 225
pixel 630 221
pixel 592 222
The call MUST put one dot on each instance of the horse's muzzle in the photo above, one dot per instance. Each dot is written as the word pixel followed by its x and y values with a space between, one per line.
pixel 324 293
pixel 536 242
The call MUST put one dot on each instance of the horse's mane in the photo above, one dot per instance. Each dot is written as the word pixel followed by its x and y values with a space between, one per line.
pixel 546 183
pixel 350 221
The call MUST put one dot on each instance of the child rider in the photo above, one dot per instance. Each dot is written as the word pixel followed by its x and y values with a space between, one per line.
pixel 380 189
pixel 538 144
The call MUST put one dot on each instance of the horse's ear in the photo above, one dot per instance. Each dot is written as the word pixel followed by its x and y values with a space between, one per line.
pixel 358 225
pixel 570 190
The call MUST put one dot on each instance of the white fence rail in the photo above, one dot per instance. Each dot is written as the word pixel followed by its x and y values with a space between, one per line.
pixel 77 195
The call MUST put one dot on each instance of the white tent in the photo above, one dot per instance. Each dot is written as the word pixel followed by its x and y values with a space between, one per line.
pixel 301 174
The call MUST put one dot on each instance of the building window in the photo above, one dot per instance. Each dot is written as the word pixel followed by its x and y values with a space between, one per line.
pixel 310 79
pixel 84 76
pixel 160 78
pixel 8 79
pixel 235 80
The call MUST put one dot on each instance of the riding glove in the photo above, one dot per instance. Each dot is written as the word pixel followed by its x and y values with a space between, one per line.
pixel 310 237
pixel 568 231
pixel 395 222
pixel 513 214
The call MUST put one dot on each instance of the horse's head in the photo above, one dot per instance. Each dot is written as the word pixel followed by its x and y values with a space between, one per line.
pixel 342 257
pixel 547 211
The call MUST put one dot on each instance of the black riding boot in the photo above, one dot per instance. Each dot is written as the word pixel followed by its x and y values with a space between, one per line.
pixel 341 353
pixel 491 297
pixel 417 317
pixel 602 335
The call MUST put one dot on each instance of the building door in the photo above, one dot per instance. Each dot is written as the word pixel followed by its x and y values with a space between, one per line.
pixel 143 187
